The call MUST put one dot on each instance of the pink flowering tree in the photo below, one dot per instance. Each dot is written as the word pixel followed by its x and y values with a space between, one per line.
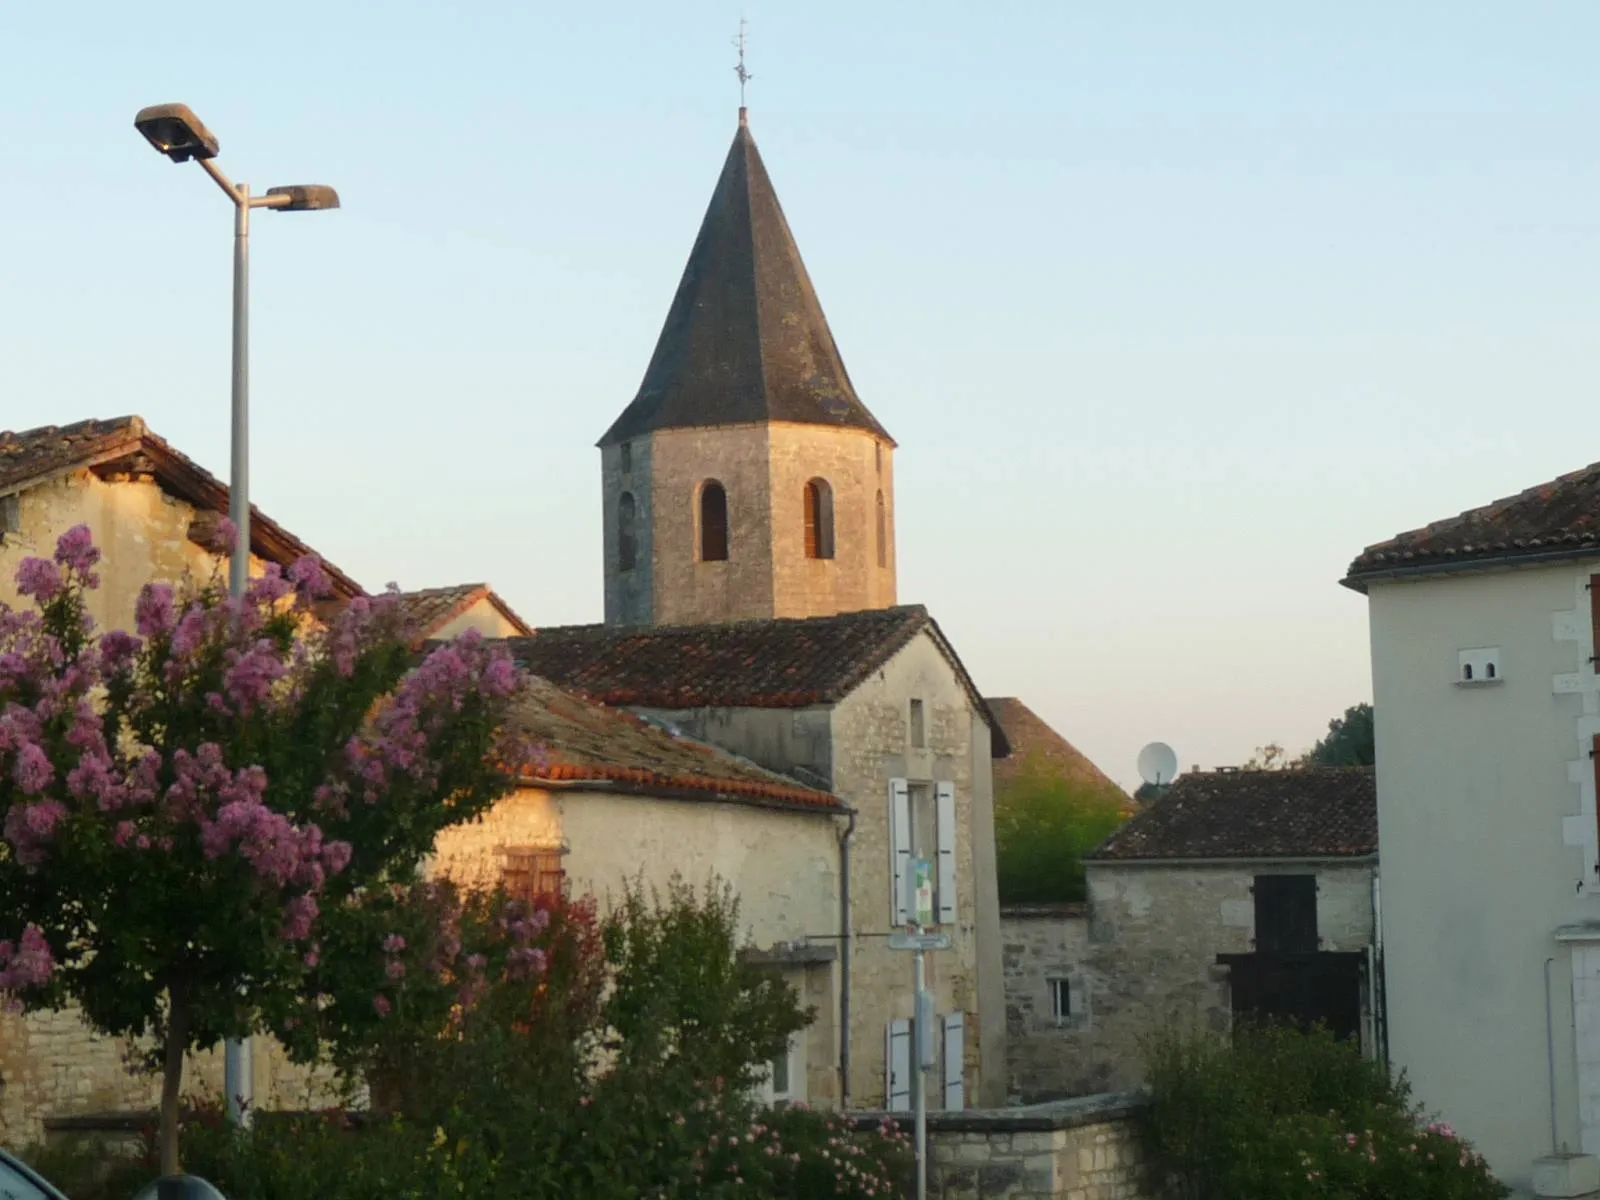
pixel 187 809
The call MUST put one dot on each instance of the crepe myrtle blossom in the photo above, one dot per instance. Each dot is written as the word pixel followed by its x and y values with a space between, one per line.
pixel 279 755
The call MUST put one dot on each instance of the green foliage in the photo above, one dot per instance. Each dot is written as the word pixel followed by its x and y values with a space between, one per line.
pixel 1279 1114
pixel 1044 825
pixel 617 1071
pixel 1349 742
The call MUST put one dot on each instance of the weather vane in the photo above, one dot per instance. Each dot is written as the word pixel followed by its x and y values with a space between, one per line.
pixel 740 43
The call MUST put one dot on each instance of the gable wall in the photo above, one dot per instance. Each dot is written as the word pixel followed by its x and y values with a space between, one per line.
pixel 142 532
pixel 870 747
pixel 484 617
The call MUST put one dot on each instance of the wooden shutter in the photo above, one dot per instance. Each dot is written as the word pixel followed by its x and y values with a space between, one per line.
pixel 955 1062
pixel 946 819
pixel 1286 914
pixel 899 850
pixel 1594 622
pixel 531 872
pixel 1594 763
pixel 897 1066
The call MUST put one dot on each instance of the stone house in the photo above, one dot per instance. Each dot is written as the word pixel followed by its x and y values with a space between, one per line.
pixel 153 512
pixel 1485 633
pixel 875 708
pixel 1234 891
pixel 617 799
pixel 445 612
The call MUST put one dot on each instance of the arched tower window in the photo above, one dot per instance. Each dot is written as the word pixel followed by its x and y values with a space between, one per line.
pixel 883 531
pixel 713 522
pixel 819 519
pixel 627 542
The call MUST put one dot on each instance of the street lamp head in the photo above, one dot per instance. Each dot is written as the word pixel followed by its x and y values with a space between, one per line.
pixel 305 197
pixel 175 131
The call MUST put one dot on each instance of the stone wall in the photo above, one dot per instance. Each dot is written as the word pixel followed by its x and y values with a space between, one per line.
pixel 1043 943
pixel 1145 959
pixel 871 746
pixel 1084 1149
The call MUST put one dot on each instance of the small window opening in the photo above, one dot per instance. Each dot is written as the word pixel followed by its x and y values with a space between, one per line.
pixel 1060 999
pixel 919 736
pixel 1488 671
pixel 627 458
pixel 883 532
pixel 627 543
pixel 533 872
pixel 713 522
pixel 819 519
pixel 877 454
pixel 1466 671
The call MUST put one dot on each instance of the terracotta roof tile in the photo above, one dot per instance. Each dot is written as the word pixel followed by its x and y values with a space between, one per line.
pixel 581 741
pixel 790 663
pixel 1554 520
pixel 35 456
pixel 1310 812
pixel 430 608
pixel 1036 746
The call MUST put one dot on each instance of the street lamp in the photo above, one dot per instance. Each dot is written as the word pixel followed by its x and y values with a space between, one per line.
pixel 175 131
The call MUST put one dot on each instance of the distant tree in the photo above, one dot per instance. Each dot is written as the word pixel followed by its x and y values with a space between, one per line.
pixel 1044 824
pixel 1271 757
pixel 1349 742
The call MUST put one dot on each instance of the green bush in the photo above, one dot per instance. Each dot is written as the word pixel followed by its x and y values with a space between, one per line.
pixel 622 1068
pixel 1281 1114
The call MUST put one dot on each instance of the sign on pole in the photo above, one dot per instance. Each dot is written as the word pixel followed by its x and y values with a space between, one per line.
pixel 919 941
pixel 922 892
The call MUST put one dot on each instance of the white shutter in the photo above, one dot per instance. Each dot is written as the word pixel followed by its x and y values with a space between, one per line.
pixel 946 793
pixel 899 850
pixel 955 1062
pixel 897 1065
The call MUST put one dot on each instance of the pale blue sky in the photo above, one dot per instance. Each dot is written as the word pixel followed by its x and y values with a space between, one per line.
pixel 1171 307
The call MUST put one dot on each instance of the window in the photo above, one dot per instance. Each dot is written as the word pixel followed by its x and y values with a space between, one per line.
pixel 919 737
pixel 819 519
pixel 883 532
pixel 627 458
pixel 1060 999
pixel 1286 914
pixel 922 825
pixel 713 522
pixel 877 456
pixel 784 1081
pixel 532 871
pixel 627 545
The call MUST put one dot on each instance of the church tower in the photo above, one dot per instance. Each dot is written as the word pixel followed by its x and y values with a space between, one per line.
pixel 746 480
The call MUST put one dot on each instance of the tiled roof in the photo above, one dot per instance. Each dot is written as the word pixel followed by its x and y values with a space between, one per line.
pixel 792 663
pixel 428 609
pixel 36 456
pixel 1559 519
pixel 745 339
pixel 1035 746
pixel 1310 812
pixel 583 742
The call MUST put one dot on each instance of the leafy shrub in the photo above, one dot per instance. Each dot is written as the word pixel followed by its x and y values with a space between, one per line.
pixel 1280 1114
pixel 621 1068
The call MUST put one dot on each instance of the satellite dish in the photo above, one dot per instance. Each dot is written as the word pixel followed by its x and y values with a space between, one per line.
pixel 1158 764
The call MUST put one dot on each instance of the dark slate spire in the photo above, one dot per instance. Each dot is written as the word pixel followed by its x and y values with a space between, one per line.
pixel 745 339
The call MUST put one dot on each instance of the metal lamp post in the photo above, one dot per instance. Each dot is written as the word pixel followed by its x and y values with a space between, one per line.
pixel 175 131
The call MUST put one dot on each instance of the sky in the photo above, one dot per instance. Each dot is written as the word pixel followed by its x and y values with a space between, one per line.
pixel 1171 308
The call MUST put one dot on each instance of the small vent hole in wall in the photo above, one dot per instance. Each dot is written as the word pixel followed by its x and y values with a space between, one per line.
pixel 1466 672
pixel 1478 667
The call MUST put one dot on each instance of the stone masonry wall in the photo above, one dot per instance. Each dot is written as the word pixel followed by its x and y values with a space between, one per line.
pixel 1085 1149
pixel 871 747
pixel 684 590
pixel 856 467
pixel 1044 943
pixel 1145 959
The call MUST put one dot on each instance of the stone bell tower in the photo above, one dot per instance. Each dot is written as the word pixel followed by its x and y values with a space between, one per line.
pixel 746 480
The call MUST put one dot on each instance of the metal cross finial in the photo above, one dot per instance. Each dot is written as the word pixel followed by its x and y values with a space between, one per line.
pixel 740 43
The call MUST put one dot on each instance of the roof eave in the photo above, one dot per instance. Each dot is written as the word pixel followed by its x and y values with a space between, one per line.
pixel 659 791
pixel 1358 856
pixel 1358 581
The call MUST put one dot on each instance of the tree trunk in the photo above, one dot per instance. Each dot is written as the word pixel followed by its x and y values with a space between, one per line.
pixel 172 1078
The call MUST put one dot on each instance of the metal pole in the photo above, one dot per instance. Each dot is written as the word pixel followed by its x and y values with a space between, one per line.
pixel 238 1075
pixel 919 1093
